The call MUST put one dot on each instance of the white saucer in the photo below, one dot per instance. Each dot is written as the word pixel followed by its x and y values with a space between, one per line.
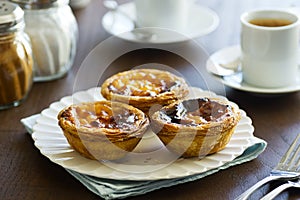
pixel 235 81
pixel 201 21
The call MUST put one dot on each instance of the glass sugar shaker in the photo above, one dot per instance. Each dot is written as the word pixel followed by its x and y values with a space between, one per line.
pixel 52 28
pixel 16 60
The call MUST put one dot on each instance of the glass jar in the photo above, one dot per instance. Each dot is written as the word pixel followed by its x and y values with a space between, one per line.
pixel 15 56
pixel 52 28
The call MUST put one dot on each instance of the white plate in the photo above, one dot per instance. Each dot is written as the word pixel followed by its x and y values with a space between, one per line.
pixel 201 21
pixel 143 164
pixel 235 81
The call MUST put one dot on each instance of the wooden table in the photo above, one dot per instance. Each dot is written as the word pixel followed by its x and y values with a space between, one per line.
pixel 26 174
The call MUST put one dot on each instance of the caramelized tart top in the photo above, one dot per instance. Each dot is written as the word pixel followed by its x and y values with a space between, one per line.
pixel 196 112
pixel 113 116
pixel 142 83
pixel 139 83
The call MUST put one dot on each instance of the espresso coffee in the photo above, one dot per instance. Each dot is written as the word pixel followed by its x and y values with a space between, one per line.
pixel 270 22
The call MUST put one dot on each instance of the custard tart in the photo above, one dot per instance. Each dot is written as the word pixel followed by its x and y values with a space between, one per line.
pixel 196 127
pixel 145 88
pixel 103 130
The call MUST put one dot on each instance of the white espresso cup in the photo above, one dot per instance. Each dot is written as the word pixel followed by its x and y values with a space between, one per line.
pixel 169 14
pixel 269 45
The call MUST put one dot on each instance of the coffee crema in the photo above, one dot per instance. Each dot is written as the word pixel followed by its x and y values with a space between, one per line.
pixel 270 22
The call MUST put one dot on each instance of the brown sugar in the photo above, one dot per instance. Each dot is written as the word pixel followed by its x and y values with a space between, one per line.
pixel 15 68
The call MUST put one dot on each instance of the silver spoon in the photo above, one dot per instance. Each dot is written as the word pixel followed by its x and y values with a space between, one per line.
pixel 225 69
pixel 140 33
pixel 233 65
pixel 113 6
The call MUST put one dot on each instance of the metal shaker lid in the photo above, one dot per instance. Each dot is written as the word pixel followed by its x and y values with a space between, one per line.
pixel 11 17
pixel 38 4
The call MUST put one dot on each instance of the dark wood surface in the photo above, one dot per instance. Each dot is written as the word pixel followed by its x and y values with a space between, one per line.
pixel 26 174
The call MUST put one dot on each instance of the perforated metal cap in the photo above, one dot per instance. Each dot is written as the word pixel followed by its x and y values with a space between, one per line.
pixel 37 4
pixel 11 17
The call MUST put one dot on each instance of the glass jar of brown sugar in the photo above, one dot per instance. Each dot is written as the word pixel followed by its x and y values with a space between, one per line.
pixel 16 62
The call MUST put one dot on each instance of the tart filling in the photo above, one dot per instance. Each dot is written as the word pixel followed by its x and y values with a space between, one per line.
pixel 144 88
pixel 103 129
pixel 196 112
pixel 196 127
pixel 102 115
pixel 143 83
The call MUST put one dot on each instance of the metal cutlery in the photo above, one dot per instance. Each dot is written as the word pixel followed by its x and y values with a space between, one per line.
pixel 287 169
pixel 113 6
pixel 234 65
pixel 141 33
pixel 278 190
pixel 222 69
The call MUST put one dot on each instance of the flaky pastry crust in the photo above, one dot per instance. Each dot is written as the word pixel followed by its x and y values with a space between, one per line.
pixel 196 127
pixel 103 130
pixel 145 88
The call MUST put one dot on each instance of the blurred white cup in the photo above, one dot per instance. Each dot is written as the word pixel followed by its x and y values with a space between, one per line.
pixel 169 14
pixel 270 45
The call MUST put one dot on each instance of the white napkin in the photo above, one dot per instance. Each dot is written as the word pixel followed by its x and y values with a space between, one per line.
pixel 113 189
